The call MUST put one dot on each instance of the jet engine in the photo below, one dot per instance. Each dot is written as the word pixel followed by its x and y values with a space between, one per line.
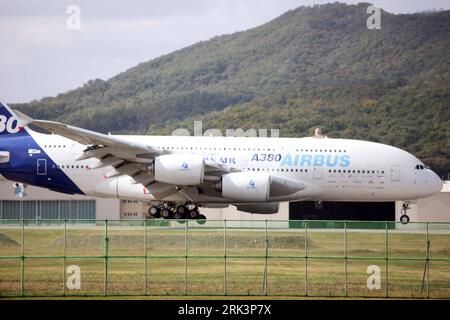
pixel 254 187
pixel 179 169
pixel 246 186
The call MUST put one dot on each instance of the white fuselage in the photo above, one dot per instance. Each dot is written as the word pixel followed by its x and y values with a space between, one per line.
pixel 332 169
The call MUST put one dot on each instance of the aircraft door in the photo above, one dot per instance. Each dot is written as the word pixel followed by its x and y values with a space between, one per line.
pixel 318 173
pixel 74 149
pixel 41 167
pixel 395 173
pixel 4 156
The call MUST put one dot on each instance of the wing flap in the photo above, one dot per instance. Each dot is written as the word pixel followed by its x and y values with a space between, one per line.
pixel 143 178
pixel 125 169
pixel 161 190
pixel 108 161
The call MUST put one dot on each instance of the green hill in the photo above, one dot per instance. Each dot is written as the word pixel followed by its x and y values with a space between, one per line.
pixel 313 66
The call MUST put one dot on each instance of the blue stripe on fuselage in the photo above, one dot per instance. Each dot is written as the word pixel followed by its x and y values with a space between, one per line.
pixel 22 166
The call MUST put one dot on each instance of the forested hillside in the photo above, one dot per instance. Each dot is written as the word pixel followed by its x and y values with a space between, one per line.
pixel 313 66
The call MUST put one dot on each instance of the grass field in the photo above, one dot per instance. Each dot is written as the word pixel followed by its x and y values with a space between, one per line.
pixel 169 261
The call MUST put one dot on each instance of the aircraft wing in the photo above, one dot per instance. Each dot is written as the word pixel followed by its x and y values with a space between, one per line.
pixel 127 157
pixel 88 137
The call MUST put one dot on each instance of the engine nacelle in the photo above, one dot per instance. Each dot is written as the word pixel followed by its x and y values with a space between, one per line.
pixel 179 169
pixel 260 208
pixel 246 186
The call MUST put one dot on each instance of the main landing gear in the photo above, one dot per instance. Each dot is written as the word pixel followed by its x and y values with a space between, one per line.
pixel 404 218
pixel 169 210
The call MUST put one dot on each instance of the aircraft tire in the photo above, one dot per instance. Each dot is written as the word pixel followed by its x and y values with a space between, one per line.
pixel 154 212
pixel 166 213
pixel 404 219
pixel 193 214
pixel 182 210
pixel 179 216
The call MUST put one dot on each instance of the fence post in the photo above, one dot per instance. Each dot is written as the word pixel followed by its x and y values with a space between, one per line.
pixel 185 257
pixel 145 257
pixel 345 257
pixel 225 257
pixel 106 257
pixel 266 249
pixel 22 261
pixel 306 257
pixel 64 257
pixel 428 264
pixel 386 257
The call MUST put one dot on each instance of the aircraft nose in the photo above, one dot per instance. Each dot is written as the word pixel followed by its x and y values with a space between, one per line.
pixel 435 182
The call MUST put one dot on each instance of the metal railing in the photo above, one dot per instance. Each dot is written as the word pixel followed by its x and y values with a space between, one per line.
pixel 224 257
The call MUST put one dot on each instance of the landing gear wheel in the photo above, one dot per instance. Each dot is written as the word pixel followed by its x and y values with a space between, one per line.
pixel 404 219
pixel 193 214
pixel 166 213
pixel 201 219
pixel 179 216
pixel 154 212
pixel 181 210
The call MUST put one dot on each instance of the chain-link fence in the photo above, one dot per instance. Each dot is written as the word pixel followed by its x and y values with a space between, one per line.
pixel 212 257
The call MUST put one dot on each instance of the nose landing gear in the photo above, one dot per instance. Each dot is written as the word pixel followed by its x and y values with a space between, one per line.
pixel 404 218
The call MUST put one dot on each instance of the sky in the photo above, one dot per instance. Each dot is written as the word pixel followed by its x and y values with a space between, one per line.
pixel 45 51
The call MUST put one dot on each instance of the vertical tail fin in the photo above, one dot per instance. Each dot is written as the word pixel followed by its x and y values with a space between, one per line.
pixel 10 123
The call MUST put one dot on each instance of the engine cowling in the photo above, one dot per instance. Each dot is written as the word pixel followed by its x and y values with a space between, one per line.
pixel 179 169
pixel 260 208
pixel 246 186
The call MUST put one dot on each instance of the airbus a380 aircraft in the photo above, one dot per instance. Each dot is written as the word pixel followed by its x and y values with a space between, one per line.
pixel 178 174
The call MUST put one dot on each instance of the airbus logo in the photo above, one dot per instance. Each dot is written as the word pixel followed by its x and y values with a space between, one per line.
pixel 184 166
pixel 295 159
pixel 251 185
